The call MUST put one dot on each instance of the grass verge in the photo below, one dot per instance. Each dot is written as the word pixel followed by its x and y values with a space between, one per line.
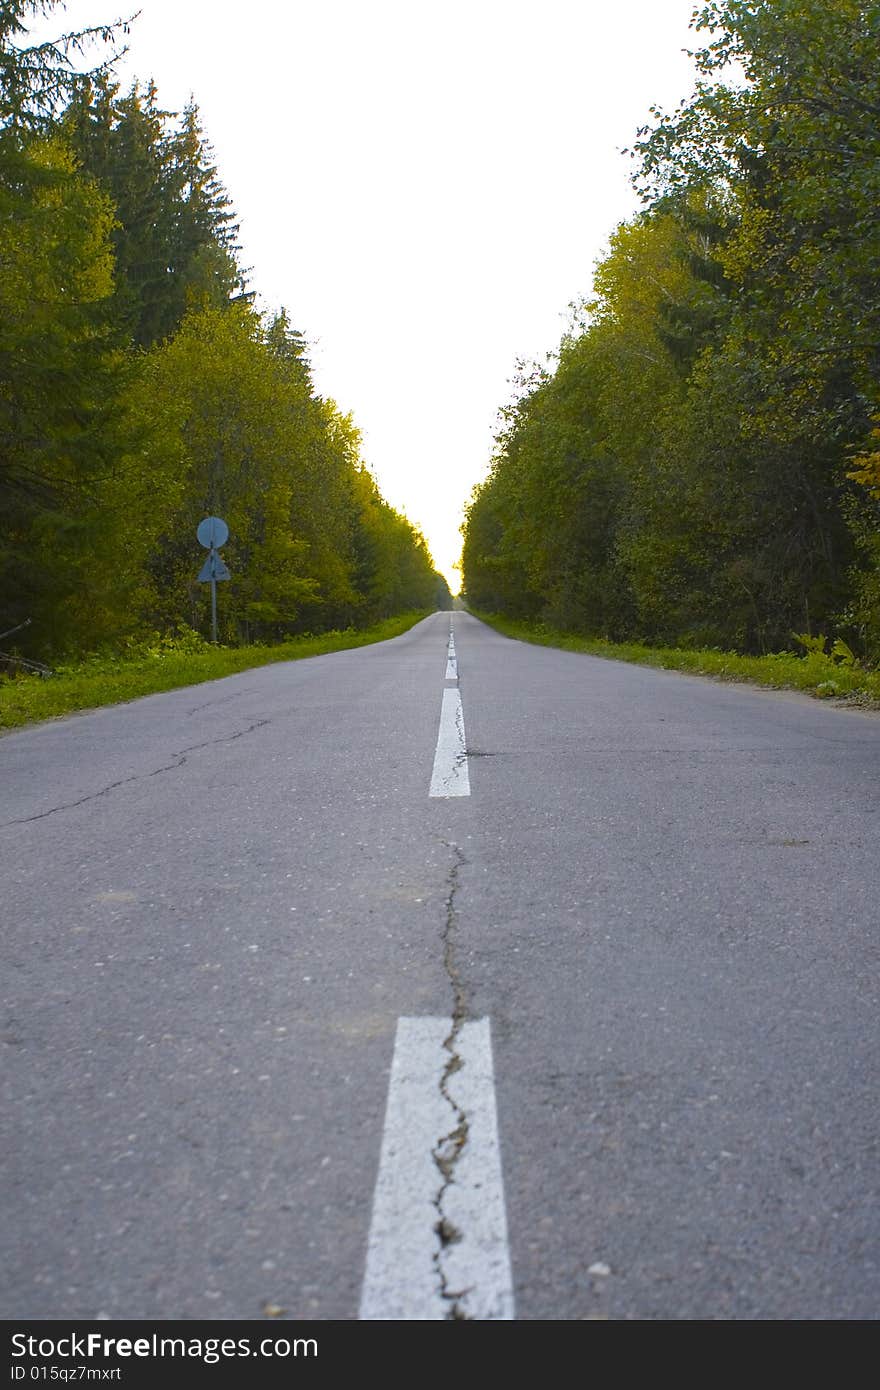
pixel 816 673
pixel 166 665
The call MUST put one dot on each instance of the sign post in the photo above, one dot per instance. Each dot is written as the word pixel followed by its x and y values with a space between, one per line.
pixel 212 533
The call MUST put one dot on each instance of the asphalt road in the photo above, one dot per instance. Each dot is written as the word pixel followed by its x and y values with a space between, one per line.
pixel 660 892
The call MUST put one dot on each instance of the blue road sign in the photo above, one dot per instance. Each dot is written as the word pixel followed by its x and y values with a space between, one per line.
pixel 212 533
pixel 213 568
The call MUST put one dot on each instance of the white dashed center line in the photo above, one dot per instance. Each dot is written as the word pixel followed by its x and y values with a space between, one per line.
pixel 451 661
pixel 438 1244
pixel 450 773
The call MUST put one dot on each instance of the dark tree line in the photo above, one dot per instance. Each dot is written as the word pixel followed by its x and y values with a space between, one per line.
pixel 700 467
pixel 140 390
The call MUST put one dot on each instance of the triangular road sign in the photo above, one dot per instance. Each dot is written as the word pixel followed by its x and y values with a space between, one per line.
pixel 213 568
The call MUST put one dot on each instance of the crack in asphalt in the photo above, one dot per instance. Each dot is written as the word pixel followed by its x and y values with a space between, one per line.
pixel 222 700
pixel 450 1146
pixel 462 757
pixel 180 759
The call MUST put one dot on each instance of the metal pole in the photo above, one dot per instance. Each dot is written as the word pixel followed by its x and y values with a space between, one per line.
pixel 214 610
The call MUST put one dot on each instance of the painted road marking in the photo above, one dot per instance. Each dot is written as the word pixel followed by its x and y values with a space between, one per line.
pixel 451 662
pixel 450 773
pixel 410 1272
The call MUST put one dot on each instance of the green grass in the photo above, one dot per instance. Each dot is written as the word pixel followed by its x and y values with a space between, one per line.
pixel 166 664
pixel 817 673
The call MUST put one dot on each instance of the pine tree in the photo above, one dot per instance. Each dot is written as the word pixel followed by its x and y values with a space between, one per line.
pixel 36 80
pixel 204 250
pixel 175 239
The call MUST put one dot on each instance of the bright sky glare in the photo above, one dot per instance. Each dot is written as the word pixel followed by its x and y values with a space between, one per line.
pixel 424 187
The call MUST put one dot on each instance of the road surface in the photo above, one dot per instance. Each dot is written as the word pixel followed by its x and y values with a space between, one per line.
pixel 442 979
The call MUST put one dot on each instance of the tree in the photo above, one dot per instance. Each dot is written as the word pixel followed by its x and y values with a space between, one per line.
pixel 232 428
pixel 689 454
pixel 60 366
pixel 798 146
pixel 140 391
pixel 37 80
pixel 60 371
pixel 174 240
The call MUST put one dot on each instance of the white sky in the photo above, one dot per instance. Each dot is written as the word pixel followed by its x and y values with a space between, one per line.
pixel 424 187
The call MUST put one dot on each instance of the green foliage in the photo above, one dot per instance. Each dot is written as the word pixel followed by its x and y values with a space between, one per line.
pixel 690 472
pixel 817 656
pixel 155 663
pixel 36 80
pixel 815 673
pixel 60 371
pixel 866 464
pixel 139 390
pixel 174 238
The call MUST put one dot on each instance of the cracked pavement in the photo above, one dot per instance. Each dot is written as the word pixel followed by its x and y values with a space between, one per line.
pixel 179 761
pixel 662 892
pixel 450 1145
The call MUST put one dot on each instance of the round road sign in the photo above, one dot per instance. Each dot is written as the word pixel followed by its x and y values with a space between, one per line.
pixel 212 532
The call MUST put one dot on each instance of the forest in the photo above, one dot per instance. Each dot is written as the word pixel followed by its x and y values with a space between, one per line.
pixel 699 464
pixel 141 390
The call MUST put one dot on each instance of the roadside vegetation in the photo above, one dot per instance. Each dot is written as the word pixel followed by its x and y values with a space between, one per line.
pixel 166 663
pixel 141 390
pixel 698 467
pixel 825 670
